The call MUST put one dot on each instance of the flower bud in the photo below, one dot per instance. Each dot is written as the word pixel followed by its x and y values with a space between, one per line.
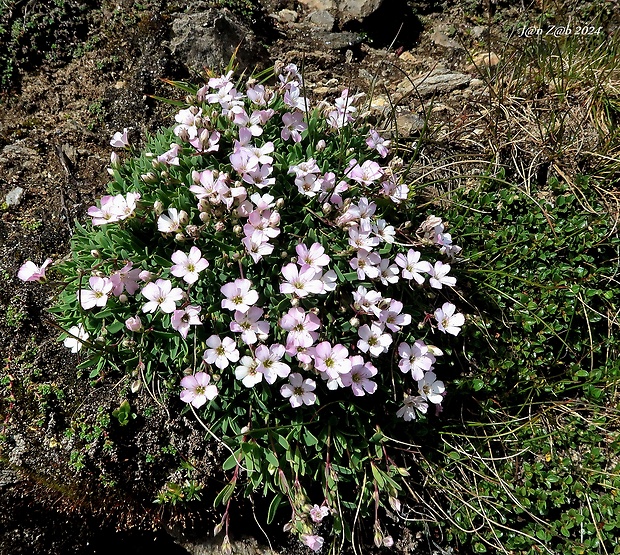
pixel 165 175
pixel 294 302
pixel 158 207
pixel 134 323
pixel 128 343
pixel 284 255
pixel 280 203
pixel 396 163
pixel 145 275
pixel 320 145
pixel 95 253
pixel 183 217
pixel 314 310
pixel 149 177
pixel 327 208
pixel 179 238
pixel 183 134
pixel 355 322
pixel 237 256
pixel 189 99
pixel 135 386
pixel 123 298
pixel 220 226
pixel 204 217
pixel 192 231
pixel 388 541
pixel 237 230
pixel 115 160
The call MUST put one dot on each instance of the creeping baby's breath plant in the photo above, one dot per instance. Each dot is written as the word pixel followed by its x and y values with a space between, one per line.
pixel 258 260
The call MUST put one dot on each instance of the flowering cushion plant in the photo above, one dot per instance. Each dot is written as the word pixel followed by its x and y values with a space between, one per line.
pixel 256 260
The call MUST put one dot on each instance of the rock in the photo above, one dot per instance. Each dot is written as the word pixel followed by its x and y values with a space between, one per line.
pixel 440 38
pixel 408 123
pixel 345 9
pixel 14 196
pixel 337 41
pixel 485 59
pixel 287 16
pixel 476 84
pixel 408 57
pixel 380 104
pixel 322 19
pixel 478 31
pixel 211 37
pixel 436 83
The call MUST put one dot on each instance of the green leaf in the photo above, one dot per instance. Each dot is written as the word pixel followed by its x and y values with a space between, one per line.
pixel 273 507
pixel 224 495
pixel 231 462
pixel 271 458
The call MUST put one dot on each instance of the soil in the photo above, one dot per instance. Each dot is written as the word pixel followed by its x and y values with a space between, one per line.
pixel 77 79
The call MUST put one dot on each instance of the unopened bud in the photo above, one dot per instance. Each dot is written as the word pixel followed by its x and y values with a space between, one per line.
pixel 192 231
pixel 183 217
pixel 284 254
pixel 149 177
pixel 280 203
pixel 320 145
pixel 237 230
pixel 388 541
pixel 189 99
pixel 315 310
pixel 135 386
pixel 95 253
pixel 204 217
pixel 158 207
pixel 327 208
pixel 115 160
pixel 294 301
pixel 354 322
pixel 165 175
pixel 123 298
pixel 179 238
pixel 183 134
pixel 220 226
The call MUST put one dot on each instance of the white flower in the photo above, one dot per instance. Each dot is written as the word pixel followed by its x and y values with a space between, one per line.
pixel 447 320
pixel 75 343
pixel 188 266
pixel 299 391
pixel 248 372
pixel 431 388
pixel 373 340
pixel 412 403
pixel 238 295
pixel 97 295
pixel 222 351
pixel 439 276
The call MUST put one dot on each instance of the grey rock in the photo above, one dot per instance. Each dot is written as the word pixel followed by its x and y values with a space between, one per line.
pixel 322 19
pixel 435 83
pixel 345 9
pixel 408 123
pixel 478 31
pixel 287 16
pixel 211 37
pixel 14 196
pixel 337 41
pixel 440 38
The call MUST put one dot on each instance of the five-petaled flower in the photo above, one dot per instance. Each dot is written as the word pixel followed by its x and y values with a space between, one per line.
pixel 299 391
pixel 29 271
pixel 77 335
pixel 197 390
pixel 161 295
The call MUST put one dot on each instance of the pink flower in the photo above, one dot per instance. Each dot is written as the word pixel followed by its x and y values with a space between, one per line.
pixel 299 391
pixel 119 140
pixel 359 377
pixel 169 223
pixel 125 279
pixel 182 319
pixel 300 282
pixel 392 317
pixel 29 271
pixel 313 542
pixel 334 361
pixel 97 295
pixel 314 257
pixel 238 295
pixel 293 126
pixel 447 320
pixel 188 266
pixel 161 295
pixel 377 142
pixel 301 326
pixel 250 326
pixel 317 514
pixel 171 157
pixel 133 323
pixel 197 390
pixel 365 263
pixel 222 351
pixel 367 173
